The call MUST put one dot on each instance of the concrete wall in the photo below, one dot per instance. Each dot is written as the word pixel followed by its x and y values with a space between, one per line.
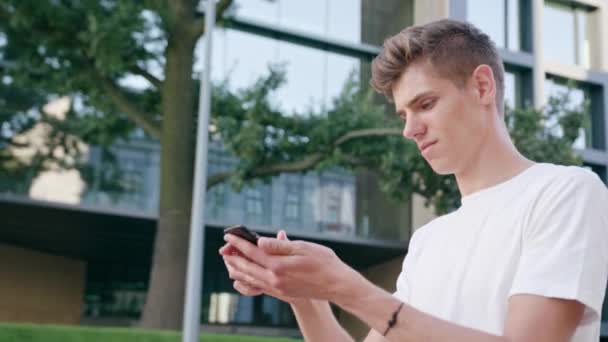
pixel 40 288
pixel 383 275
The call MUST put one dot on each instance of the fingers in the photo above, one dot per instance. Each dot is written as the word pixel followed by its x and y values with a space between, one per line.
pixel 240 268
pixel 241 277
pixel 247 290
pixel 247 249
pixel 228 249
pixel 277 246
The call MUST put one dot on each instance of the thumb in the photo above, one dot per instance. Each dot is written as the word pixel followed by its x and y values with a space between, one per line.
pixel 276 246
pixel 282 235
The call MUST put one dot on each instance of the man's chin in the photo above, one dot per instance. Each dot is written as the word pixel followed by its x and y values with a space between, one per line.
pixel 440 168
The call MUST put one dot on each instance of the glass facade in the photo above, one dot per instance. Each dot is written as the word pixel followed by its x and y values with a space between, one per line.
pixel 573 44
pixel 517 83
pixel 316 203
pixel 500 19
pixel 115 290
pixel 126 180
pixel 325 203
pixel 230 308
pixel 510 89
pixel 578 97
pixel 313 202
pixel 242 58
pixel 333 19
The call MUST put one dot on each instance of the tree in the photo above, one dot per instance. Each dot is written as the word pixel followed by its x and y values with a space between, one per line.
pixel 83 49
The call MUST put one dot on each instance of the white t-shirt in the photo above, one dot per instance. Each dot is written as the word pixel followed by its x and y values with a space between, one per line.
pixel 542 232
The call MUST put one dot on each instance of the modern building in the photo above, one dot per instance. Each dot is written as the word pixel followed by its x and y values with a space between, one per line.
pixel 89 260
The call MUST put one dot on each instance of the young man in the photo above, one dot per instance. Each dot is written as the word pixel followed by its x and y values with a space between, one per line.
pixel 525 258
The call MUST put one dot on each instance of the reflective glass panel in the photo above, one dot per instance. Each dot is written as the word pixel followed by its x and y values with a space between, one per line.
pixel 334 19
pixel 489 16
pixel 577 96
pixel 566 34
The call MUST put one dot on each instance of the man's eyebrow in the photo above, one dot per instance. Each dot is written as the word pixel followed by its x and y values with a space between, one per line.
pixel 418 97
pixel 401 112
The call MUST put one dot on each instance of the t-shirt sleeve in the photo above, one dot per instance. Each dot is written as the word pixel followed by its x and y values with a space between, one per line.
pixel 565 243
pixel 403 286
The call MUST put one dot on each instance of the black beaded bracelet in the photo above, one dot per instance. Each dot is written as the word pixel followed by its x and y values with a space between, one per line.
pixel 393 320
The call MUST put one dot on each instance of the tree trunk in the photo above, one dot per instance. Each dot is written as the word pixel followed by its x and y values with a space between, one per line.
pixel 165 298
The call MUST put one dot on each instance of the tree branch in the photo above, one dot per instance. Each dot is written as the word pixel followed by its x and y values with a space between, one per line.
pixel 217 178
pixel 369 132
pixel 198 28
pixel 158 84
pixel 308 162
pixel 124 104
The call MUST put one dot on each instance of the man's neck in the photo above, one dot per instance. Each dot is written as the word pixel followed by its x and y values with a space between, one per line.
pixel 498 162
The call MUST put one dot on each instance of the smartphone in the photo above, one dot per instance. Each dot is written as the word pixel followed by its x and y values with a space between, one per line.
pixel 242 232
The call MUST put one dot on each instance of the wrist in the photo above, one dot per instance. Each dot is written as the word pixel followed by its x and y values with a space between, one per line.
pixel 351 290
pixel 300 302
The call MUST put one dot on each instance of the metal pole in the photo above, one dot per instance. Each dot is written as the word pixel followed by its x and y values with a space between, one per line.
pixel 192 307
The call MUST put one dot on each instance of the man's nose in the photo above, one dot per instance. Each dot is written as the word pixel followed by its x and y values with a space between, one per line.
pixel 412 128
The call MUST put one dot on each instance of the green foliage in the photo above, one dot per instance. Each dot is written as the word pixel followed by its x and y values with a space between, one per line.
pixel 57 48
pixel 53 333
pixel 259 134
pixel 50 49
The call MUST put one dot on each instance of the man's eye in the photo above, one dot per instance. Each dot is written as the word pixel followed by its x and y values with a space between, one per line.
pixel 427 104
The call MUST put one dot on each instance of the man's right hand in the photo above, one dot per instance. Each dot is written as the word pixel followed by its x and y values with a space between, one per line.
pixel 240 280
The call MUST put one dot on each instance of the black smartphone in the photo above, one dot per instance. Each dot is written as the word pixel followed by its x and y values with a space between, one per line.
pixel 242 231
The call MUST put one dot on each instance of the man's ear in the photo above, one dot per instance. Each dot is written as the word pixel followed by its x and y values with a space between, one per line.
pixel 484 84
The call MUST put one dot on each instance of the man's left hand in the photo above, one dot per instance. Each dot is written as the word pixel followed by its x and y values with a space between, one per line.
pixel 291 269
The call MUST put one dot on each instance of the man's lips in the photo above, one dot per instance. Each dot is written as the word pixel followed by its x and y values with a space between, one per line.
pixel 424 146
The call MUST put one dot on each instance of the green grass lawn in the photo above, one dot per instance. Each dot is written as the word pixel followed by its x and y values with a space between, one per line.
pixel 10 332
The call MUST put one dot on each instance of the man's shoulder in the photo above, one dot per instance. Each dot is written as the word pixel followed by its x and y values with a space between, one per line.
pixel 556 179
pixel 434 226
pixel 560 188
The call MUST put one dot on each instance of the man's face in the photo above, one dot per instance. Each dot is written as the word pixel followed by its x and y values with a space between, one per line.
pixel 448 123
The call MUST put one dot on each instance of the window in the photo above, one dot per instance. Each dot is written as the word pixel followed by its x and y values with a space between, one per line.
pixel 115 290
pixel 253 202
pixel 573 43
pixel 580 93
pixel 132 177
pixel 577 96
pixel 301 91
pixel 292 205
pixel 293 199
pixel 123 177
pixel 517 87
pixel 333 204
pixel 510 93
pixel 231 308
pixel 217 200
pixel 335 19
pixel 500 19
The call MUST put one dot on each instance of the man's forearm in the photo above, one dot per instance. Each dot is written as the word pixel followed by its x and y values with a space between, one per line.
pixel 318 323
pixel 375 307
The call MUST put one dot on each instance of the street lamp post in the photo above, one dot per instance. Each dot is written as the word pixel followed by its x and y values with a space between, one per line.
pixel 192 307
